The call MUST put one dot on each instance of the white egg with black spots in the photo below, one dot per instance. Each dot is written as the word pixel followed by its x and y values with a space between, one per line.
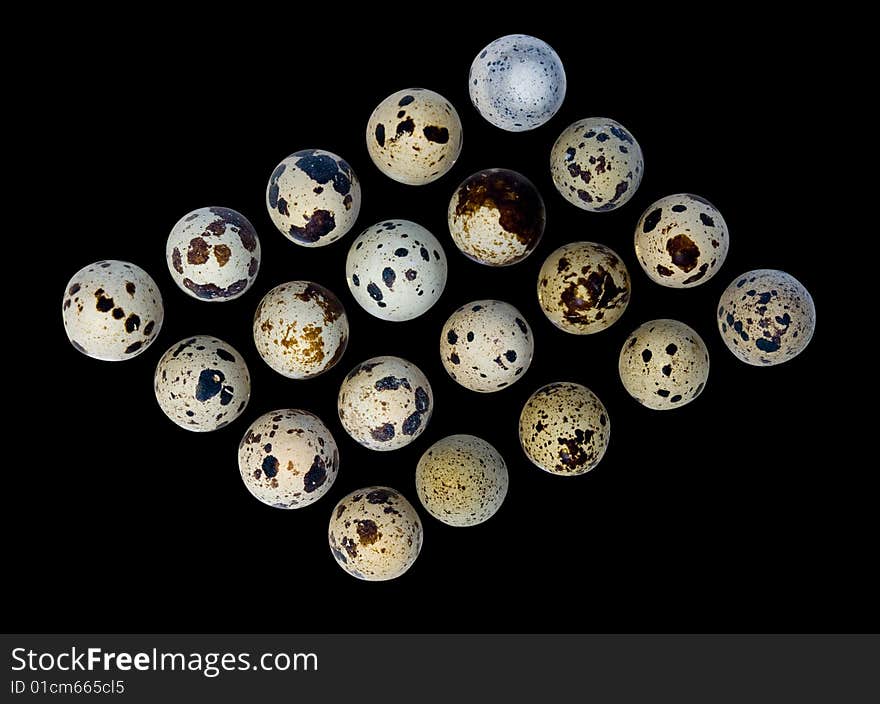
pixel 112 310
pixel 681 241
pixel 288 458
pixel 414 136
pixel 385 403
pixel 664 364
pixel 564 429
pixel 517 82
pixel 486 345
pixel 766 317
pixel 313 197
pixel 396 270
pixel 202 383
pixel 596 164
pixel 213 254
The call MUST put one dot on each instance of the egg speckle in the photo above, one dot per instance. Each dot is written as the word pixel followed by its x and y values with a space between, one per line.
pixel 596 164
pixel 564 429
pixel 313 197
pixel 288 458
pixel 664 364
pixel 486 345
pixel 396 270
pixel 461 480
pixel 385 403
pixel 300 329
pixel 496 217
pixel 681 241
pixel 517 82
pixel 766 317
pixel 202 383
pixel 112 310
pixel 375 534
pixel 414 136
pixel 583 287
pixel 213 254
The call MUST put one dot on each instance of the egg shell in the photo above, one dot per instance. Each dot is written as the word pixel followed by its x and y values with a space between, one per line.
pixel 414 136
pixel 496 217
pixel 112 310
pixel 300 329
pixel 564 429
pixel 313 197
pixel 583 287
pixel 664 364
pixel 681 241
pixel 202 383
pixel 396 270
pixel 486 345
pixel 288 458
pixel 596 164
pixel 375 534
pixel 766 317
pixel 461 480
pixel 385 403
pixel 517 82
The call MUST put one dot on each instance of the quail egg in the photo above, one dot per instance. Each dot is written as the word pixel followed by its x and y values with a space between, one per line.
pixel 300 329
pixel 213 254
pixel 288 458
pixel 664 364
pixel 313 197
pixel 461 480
pixel 414 136
pixel 396 270
pixel 583 287
pixel 766 317
pixel 517 82
pixel 112 310
pixel 564 429
pixel 496 217
pixel 596 164
pixel 385 403
pixel 486 345
pixel 202 383
pixel 681 241
pixel 375 534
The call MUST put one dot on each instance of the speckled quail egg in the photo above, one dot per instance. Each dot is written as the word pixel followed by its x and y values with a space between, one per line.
pixel 583 287
pixel 496 217
pixel 486 345
pixel 461 480
pixel 313 197
pixel 213 254
pixel 288 458
pixel 681 241
pixel 112 310
pixel 396 270
pixel 664 364
pixel 300 329
pixel 766 317
pixel 375 534
pixel 385 403
pixel 596 164
pixel 517 82
pixel 202 383
pixel 564 429
pixel 414 136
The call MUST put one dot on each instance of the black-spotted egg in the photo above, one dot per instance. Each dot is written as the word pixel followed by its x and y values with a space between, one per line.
pixel 414 136
pixel 202 383
pixel 396 270
pixel 313 197
pixel 112 310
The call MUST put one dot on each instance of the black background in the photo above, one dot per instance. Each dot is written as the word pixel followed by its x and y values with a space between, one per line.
pixel 725 515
